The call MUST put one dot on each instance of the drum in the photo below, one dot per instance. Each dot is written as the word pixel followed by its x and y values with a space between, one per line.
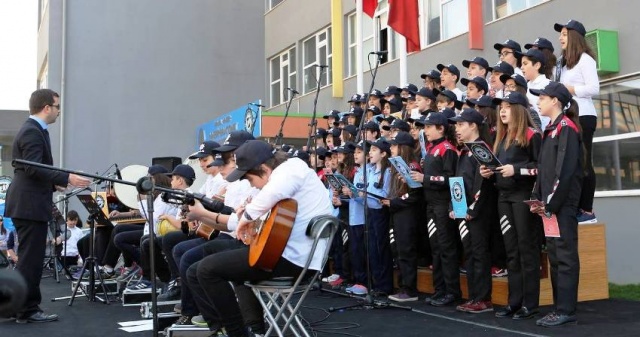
pixel 127 194
pixel 165 227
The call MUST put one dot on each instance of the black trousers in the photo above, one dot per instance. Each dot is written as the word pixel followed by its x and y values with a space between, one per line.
pixel 169 241
pixel 565 262
pixel 358 255
pixel 406 240
pixel 102 238
pixel 444 249
pixel 32 236
pixel 588 125
pixel 215 272
pixel 161 267
pixel 523 252
pixel 475 235
pixel 112 253
pixel 128 242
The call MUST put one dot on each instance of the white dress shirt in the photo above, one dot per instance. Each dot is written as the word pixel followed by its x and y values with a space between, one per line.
pixel 538 83
pixel 294 179
pixel 213 185
pixel 75 234
pixel 159 208
pixel 584 79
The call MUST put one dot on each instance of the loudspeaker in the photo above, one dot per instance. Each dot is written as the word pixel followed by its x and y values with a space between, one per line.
pixel 168 162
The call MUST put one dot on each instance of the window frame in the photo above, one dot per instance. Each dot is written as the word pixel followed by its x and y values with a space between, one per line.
pixel 528 5
pixel 283 97
pixel 328 57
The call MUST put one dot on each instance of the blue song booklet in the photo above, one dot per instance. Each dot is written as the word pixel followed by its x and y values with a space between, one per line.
pixel 458 197
pixel 404 170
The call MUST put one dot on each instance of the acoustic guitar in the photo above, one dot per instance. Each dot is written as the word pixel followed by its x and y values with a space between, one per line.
pixel 272 235
pixel 205 231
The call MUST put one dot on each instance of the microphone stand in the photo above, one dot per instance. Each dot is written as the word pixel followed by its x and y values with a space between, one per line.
pixel 368 302
pixel 144 185
pixel 286 114
pixel 314 123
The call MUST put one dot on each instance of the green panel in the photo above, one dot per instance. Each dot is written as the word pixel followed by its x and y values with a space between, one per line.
pixel 605 44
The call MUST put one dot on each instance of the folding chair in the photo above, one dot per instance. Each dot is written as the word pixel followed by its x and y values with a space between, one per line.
pixel 276 295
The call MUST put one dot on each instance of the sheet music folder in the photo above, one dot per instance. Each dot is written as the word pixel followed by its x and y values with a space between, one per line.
pixel 94 209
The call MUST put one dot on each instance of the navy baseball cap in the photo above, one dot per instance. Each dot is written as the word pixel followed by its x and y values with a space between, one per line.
pixel 482 101
pixel 356 111
pixel 480 82
pixel 519 79
pixel 155 169
pixel 335 132
pixel 511 44
pixel 427 93
pixel 391 90
pixel 184 171
pixel 400 125
pixel 447 93
pixel 206 149
pixel 469 115
pixel 249 155
pixel 402 138
pixel 554 89
pixel 374 109
pixel 477 60
pixel 355 98
pixel 371 126
pixel 347 147
pixel 321 133
pixel 573 25
pixel 533 54
pixel 321 152
pixel 513 97
pixel 540 43
pixel 377 93
pixel 233 141
pixel 333 114
pixel 433 74
pixel 382 144
pixel 502 67
pixel 452 68
pixel 448 113
pixel 410 88
pixel 434 118
pixel 302 155
pixel 217 161
pixel 352 129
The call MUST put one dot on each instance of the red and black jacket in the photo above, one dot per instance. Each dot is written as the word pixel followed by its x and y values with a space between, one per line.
pixel 438 166
pixel 560 169
pixel 412 198
pixel 524 161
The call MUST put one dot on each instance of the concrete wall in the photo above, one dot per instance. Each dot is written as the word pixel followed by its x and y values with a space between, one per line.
pixel 141 75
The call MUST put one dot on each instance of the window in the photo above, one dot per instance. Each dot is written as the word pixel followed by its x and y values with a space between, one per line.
pixel 316 51
pixel 444 19
pixel 43 80
pixel 502 8
pixel 272 3
pixel 368 44
pixel 616 145
pixel 282 70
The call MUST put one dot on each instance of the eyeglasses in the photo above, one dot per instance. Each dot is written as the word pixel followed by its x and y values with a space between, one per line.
pixel 505 53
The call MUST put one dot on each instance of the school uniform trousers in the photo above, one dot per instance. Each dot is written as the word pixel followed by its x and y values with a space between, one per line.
pixel 444 250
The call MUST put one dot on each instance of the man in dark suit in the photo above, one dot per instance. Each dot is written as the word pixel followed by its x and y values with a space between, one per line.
pixel 29 197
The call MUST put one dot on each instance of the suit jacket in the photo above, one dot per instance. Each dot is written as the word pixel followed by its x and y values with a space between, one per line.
pixel 30 194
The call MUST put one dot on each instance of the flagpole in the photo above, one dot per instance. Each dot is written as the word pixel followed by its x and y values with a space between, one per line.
pixel 359 47
pixel 402 46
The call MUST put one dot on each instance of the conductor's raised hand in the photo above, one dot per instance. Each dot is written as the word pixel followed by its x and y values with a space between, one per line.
pixel 78 181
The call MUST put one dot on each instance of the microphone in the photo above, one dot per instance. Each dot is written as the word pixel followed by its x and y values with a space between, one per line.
pixel 255 104
pixel 293 91
pixel 379 53
pixel 322 66
pixel 118 173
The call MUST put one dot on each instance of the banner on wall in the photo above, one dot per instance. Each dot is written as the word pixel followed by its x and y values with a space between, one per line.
pixel 5 181
pixel 245 118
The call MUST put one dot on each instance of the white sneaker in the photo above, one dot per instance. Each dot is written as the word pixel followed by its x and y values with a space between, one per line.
pixel 331 278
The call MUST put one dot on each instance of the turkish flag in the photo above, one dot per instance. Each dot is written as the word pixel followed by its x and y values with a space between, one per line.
pixel 369 7
pixel 403 18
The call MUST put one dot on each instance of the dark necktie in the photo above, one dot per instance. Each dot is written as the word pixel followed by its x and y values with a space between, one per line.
pixel 46 137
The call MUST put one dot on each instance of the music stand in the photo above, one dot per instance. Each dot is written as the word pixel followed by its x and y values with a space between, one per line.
pixel 96 216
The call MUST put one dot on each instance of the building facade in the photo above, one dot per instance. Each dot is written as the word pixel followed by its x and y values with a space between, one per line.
pixel 302 34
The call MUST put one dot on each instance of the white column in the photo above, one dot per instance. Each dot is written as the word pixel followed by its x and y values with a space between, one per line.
pixel 402 55
pixel 359 52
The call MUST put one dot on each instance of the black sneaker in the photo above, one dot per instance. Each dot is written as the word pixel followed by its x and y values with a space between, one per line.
pixel 183 320
pixel 172 293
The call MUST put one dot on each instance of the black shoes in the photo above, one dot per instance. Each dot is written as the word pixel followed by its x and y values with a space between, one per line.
pixel 525 313
pixel 553 319
pixel 445 300
pixel 507 311
pixel 37 317
pixel 433 297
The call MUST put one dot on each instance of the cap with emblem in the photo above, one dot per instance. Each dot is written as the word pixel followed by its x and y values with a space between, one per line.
pixel 447 93
pixel 302 155
pixel 477 60
pixel 469 115
pixel 503 68
pixel 513 97
pixel 391 90
pixel 206 149
pixel 540 43
pixel 381 144
pixel 400 125
pixel 335 114
pixel 402 138
pixel 410 88
pixel 376 93
pixel 374 109
pixel 371 126
pixel 217 160
pixel 184 171
pixel 452 69
pixel 351 129
pixel 432 74
pixel 427 93
pixel 434 118
pixel 155 169
pixel 519 79
pixel 321 133
pixel 554 89
pixel 482 101
pixel 480 83
pixel 250 155
pixel 355 111
pixel 572 25
pixel 533 54
pixel 511 44
pixel 233 141
pixel 355 98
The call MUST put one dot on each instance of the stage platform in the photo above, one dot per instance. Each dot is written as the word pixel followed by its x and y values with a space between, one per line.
pixel 596 318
